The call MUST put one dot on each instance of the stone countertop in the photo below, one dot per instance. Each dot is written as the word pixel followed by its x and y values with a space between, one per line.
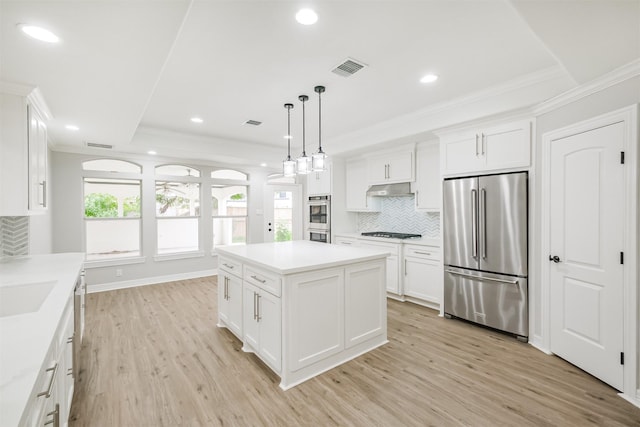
pixel 300 255
pixel 26 338
pixel 424 241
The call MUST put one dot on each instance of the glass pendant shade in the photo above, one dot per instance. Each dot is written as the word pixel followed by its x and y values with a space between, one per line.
pixel 289 168
pixel 288 165
pixel 303 163
pixel 319 159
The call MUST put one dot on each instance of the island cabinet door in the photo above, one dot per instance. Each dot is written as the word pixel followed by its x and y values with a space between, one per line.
pixel 365 302
pixel 250 327
pixel 223 305
pixel 315 316
pixel 234 305
pixel 269 323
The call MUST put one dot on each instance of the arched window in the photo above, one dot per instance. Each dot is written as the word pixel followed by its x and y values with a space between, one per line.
pixel 177 170
pixel 111 165
pixel 229 174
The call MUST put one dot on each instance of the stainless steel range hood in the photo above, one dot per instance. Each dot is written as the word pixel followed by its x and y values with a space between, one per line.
pixel 390 190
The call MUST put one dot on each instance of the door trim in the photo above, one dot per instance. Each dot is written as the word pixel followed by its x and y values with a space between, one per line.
pixel 628 116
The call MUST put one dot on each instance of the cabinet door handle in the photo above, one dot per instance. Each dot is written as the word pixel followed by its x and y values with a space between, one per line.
pixel 54 371
pixel 477 145
pixel 56 416
pixel 258 279
pixel 405 266
pixel 43 184
pixel 255 304
pixel 482 143
pixel 258 311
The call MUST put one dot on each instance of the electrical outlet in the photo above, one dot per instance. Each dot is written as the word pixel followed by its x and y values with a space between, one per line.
pixel 118 272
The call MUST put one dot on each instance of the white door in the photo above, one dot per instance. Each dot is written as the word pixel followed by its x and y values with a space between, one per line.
pixel 282 213
pixel 586 220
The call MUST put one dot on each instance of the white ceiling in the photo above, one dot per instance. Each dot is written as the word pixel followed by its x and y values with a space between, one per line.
pixel 132 73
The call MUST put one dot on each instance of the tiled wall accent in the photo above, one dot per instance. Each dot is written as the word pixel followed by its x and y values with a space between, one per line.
pixel 14 235
pixel 398 214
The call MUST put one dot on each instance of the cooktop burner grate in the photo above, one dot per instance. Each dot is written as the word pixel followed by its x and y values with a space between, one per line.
pixel 391 235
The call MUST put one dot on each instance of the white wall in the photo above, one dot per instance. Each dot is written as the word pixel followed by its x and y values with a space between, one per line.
pixel 68 222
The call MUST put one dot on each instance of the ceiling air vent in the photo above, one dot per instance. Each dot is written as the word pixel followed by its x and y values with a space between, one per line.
pixel 348 67
pixel 253 123
pixel 96 145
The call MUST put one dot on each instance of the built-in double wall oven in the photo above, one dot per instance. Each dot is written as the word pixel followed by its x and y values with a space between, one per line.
pixel 319 219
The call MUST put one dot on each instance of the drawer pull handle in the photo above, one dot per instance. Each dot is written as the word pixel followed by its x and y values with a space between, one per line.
pixel 47 393
pixel 228 266
pixel 258 279
pixel 422 253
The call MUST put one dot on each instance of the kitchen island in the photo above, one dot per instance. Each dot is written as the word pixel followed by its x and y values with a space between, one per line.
pixel 303 307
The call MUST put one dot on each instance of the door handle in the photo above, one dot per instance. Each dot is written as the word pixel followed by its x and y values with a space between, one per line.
pixel 483 222
pixel 554 258
pixel 474 223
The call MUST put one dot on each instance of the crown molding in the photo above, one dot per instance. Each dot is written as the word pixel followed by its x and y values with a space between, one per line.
pixel 37 100
pixel 619 75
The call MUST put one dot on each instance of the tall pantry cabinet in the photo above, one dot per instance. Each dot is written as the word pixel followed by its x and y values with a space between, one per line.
pixel 23 151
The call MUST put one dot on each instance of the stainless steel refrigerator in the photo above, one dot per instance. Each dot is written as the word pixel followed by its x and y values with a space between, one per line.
pixel 485 250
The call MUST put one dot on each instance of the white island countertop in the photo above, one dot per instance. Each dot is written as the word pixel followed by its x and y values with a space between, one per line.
pixel 26 338
pixel 300 255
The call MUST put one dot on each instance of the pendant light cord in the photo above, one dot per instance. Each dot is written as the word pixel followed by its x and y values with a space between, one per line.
pixel 303 130
pixel 288 107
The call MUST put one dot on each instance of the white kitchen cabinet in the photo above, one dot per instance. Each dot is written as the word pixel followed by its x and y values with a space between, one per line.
pixel 505 146
pixel 357 184
pixel 319 183
pixel 230 296
pixel 262 320
pixel 66 373
pixel 423 276
pixel 393 263
pixel 391 167
pixel 23 157
pixel 428 186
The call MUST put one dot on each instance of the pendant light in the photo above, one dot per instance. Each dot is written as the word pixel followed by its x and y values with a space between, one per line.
pixel 288 166
pixel 303 163
pixel 318 160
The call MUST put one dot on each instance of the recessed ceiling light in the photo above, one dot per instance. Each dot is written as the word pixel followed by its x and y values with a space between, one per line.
pixel 153 153
pixel 72 127
pixel 429 78
pixel 39 33
pixel 306 17
pixel 264 165
pixel 196 120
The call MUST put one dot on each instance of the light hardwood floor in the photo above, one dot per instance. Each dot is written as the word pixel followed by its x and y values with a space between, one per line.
pixel 152 356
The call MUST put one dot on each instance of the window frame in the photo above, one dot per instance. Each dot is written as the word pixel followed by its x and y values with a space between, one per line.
pixel 231 182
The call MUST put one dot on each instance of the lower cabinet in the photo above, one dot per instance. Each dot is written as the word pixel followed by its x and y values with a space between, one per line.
pixel 422 274
pixel 393 261
pixel 230 302
pixel 262 324
pixel 50 402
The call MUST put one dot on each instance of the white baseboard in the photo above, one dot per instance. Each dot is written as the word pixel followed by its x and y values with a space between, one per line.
pixel 103 287
pixel 633 400
pixel 534 341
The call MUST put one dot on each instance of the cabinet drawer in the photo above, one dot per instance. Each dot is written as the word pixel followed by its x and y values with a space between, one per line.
pixel 347 241
pixel 231 267
pixel 265 280
pixel 393 248
pixel 426 252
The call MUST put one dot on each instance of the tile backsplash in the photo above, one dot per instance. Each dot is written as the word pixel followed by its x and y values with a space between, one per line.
pixel 398 215
pixel 14 235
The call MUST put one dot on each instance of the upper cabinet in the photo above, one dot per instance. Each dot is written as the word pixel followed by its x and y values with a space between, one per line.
pixel 428 187
pixel 391 167
pixel 23 155
pixel 505 146
pixel 319 183
pixel 357 185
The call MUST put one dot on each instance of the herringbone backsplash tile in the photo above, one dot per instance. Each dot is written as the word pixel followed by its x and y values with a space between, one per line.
pixel 398 214
pixel 14 235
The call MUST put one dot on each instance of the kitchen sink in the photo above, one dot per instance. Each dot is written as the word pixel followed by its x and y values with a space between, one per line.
pixel 24 298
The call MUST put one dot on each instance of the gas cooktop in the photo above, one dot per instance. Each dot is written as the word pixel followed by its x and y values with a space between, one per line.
pixel 391 235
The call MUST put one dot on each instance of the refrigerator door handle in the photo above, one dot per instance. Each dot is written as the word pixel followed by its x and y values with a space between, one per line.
pixel 474 223
pixel 482 279
pixel 483 222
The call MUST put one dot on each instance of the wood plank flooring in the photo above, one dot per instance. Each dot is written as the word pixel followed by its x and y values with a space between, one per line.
pixel 152 356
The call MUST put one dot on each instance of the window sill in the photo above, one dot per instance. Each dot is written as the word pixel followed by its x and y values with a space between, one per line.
pixel 98 263
pixel 182 255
